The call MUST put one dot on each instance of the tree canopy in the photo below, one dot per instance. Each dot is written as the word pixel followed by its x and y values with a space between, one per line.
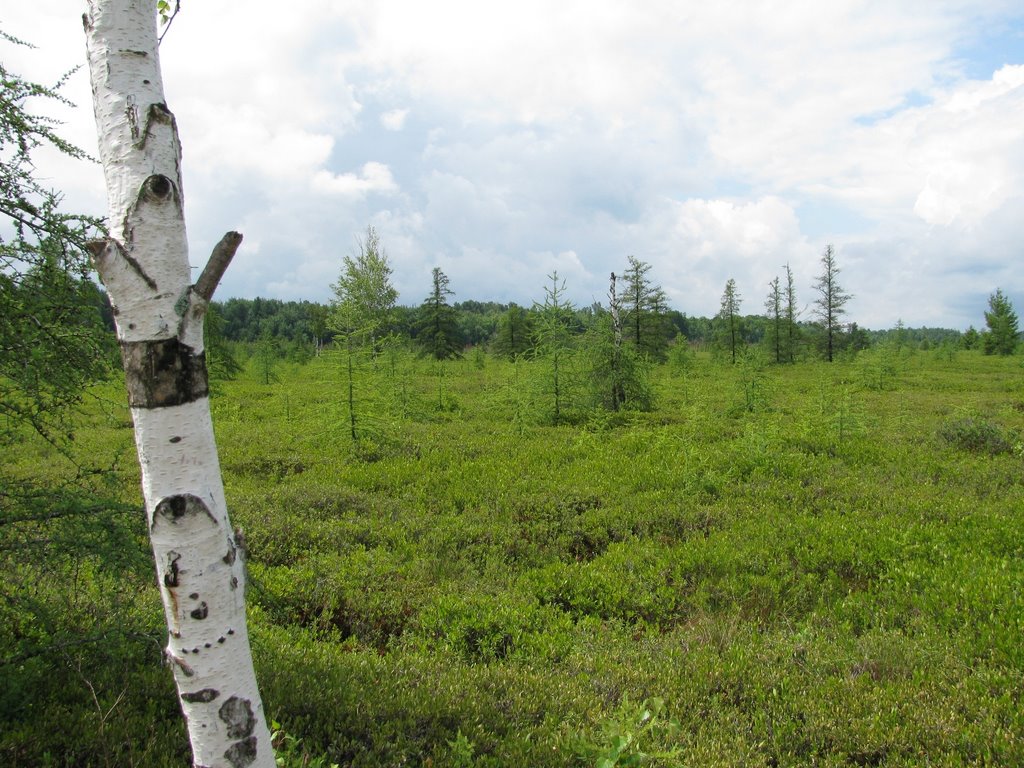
pixel 364 298
pixel 1002 335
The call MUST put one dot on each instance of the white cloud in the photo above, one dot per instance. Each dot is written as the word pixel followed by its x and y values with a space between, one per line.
pixel 971 150
pixel 715 240
pixel 394 119
pixel 750 229
pixel 247 143
pixel 373 177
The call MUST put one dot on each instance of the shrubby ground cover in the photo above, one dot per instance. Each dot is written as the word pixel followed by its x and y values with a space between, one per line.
pixel 786 565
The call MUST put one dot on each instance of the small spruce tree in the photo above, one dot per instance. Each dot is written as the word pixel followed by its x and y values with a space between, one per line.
pixel 774 336
pixel 514 334
pixel 1001 336
pixel 553 320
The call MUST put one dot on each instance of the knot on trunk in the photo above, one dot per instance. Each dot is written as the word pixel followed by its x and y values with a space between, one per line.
pixel 157 188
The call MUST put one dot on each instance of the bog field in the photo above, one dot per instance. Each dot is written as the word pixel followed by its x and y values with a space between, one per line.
pixel 810 564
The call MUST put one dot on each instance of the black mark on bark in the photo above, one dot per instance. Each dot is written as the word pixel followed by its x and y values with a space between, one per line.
pixel 238 715
pixel 204 696
pixel 242 753
pixel 163 373
pixel 171 574
pixel 200 613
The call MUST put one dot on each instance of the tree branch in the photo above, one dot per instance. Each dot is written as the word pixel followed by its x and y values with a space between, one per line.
pixel 221 257
pixel 101 248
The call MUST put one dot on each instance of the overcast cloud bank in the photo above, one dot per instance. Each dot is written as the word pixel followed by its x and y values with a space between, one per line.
pixel 504 142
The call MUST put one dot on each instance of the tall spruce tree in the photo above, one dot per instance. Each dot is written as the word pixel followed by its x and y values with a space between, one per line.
pixel 1002 335
pixel 553 320
pixel 644 313
pixel 729 318
pixel 830 305
pixel 437 325
pixel 776 319
pixel 792 330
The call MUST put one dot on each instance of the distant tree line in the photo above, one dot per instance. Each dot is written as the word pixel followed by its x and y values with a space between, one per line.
pixel 506 329
pixel 442 327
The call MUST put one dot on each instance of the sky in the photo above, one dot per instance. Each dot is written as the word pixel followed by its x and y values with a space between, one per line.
pixel 504 142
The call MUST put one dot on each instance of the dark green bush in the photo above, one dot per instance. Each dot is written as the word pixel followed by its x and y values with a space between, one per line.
pixel 977 435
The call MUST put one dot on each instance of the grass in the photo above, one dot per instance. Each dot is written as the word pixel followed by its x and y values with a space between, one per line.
pixel 798 565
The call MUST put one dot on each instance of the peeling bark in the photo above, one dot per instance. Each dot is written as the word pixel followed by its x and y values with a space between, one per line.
pixel 159 314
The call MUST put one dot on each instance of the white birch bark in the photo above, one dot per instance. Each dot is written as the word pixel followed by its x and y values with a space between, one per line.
pixel 145 268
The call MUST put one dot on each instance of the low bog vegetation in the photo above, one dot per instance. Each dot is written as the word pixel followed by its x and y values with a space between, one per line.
pixel 784 565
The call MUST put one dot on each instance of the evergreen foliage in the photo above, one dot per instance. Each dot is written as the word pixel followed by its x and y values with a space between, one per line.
pixel 295 324
pixel 437 325
pixel 792 330
pixel 1001 321
pixel 830 305
pixel 619 376
pixel 221 362
pixel 971 338
pixel 515 334
pixel 775 335
pixel 478 320
pixel 52 338
pixel 70 552
pixel 318 317
pixel 553 329
pixel 644 306
pixel 729 321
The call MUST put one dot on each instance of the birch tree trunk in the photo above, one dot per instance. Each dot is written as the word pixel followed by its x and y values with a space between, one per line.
pixel 145 267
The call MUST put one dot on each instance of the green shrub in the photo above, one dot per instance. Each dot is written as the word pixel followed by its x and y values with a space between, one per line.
pixel 977 435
